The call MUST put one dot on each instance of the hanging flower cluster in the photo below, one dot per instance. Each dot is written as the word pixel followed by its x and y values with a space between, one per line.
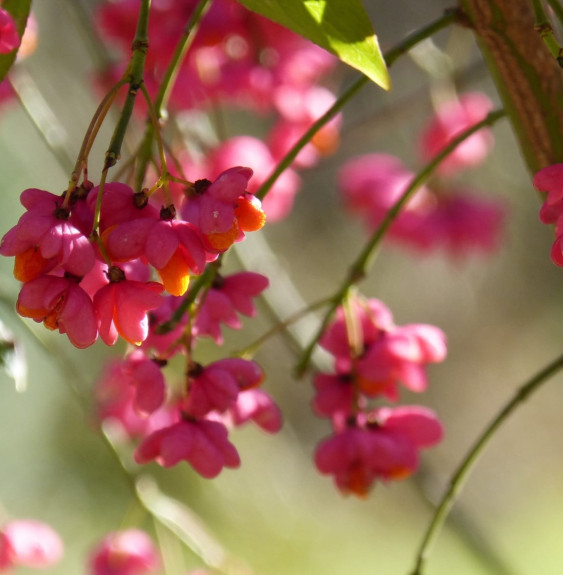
pixel 443 216
pixel 372 357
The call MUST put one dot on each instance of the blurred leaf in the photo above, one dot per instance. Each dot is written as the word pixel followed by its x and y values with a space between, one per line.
pixel 340 26
pixel 19 9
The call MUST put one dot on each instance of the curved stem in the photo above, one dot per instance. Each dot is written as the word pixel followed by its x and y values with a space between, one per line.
pixel 359 269
pixel 458 478
pixel 390 57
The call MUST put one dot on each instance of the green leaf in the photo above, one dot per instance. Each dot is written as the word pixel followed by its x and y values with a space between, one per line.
pixel 340 26
pixel 19 9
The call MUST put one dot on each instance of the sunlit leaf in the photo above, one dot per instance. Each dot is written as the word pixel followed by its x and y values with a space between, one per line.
pixel 19 9
pixel 340 26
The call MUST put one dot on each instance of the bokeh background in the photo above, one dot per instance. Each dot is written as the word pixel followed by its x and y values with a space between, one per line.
pixel 502 314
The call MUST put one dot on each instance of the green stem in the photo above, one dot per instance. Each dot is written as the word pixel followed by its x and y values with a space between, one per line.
pixel 390 57
pixel 459 477
pixel 167 84
pixel 359 269
pixel 544 29
pixel 136 67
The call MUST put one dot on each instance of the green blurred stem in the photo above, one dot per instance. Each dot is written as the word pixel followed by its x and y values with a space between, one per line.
pixel 449 17
pixel 459 477
pixel 359 269
pixel 166 86
pixel 544 29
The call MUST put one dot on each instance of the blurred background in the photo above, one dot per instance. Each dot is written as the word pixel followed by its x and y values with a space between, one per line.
pixel 276 514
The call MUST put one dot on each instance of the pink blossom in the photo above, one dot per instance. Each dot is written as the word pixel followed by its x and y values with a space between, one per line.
pixel 121 308
pixel 250 151
pixel 237 56
pixel 46 227
pixel 257 406
pixel 129 552
pixel 115 399
pixel 9 38
pixel 550 180
pixel 228 295
pixel 120 204
pixel 453 118
pixel 204 444
pixel 455 220
pixel 212 205
pixel 300 107
pixel 335 394
pixel 381 445
pixel 217 385
pixel 60 303
pixel 383 356
pixel 29 543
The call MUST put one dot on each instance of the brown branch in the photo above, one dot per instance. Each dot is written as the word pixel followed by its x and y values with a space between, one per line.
pixel 528 79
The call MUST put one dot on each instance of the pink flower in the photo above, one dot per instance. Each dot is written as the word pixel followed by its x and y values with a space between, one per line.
pixel 335 394
pixel 250 151
pixel 216 386
pixel 550 180
pixel 9 38
pixel 204 444
pixel 116 399
pixel 29 543
pixel 45 237
pixel 457 221
pixel 381 445
pixel 257 406
pixel 228 295
pixel 129 552
pixel 453 118
pixel 385 355
pixel 300 107
pixel 212 205
pixel 121 308
pixel 60 303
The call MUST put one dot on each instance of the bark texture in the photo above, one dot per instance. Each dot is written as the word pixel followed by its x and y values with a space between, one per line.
pixel 529 80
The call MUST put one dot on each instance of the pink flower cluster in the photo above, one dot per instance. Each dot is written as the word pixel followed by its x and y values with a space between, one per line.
pixel 445 215
pixel 29 543
pixel 550 181
pixel 81 289
pixel 245 60
pixel 372 357
pixel 87 288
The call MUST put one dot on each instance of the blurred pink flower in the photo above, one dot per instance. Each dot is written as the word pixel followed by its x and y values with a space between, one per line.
pixel 204 444
pixel 451 119
pixel 257 406
pixel 129 552
pixel 216 386
pixel 29 543
pixel 381 445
